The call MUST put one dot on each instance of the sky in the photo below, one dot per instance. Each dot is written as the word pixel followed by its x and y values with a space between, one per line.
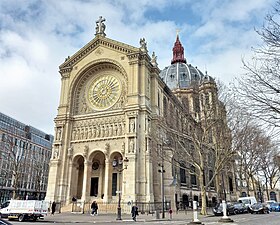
pixel 37 35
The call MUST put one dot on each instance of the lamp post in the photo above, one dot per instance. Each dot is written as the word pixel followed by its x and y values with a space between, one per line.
pixel 162 171
pixel 118 165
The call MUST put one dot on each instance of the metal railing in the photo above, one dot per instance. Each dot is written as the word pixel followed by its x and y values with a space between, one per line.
pixel 111 207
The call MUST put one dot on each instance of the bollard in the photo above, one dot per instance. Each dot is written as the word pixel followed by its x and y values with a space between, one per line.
pixel 225 218
pixel 224 209
pixel 195 218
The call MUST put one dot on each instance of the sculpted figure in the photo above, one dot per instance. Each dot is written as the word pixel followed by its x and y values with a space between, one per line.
pixel 131 145
pixel 132 126
pixel 97 131
pixel 110 130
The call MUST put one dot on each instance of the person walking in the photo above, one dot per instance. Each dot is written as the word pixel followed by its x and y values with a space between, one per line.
pixel 134 212
pixel 53 207
pixel 94 208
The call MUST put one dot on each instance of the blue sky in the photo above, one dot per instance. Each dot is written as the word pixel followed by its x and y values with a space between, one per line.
pixel 37 35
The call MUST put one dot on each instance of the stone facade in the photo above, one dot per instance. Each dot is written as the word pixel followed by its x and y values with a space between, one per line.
pixel 113 106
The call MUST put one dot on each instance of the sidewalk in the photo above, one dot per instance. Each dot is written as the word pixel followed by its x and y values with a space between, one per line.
pixel 68 217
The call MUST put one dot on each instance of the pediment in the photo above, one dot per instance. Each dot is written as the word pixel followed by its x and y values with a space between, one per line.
pixel 93 45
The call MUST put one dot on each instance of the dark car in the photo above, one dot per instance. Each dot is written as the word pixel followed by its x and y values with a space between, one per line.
pixel 218 209
pixel 275 207
pixel 258 208
pixel 240 208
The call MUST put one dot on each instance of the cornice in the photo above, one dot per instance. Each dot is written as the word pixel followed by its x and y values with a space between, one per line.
pixel 91 46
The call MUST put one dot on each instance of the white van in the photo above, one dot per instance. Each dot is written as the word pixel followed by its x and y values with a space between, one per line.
pixel 247 200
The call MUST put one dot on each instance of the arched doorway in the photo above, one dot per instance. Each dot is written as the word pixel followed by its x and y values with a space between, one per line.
pixel 77 177
pixel 97 175
pixel 185 201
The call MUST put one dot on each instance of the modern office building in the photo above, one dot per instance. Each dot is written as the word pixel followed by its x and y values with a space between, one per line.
pixel 25 153
pixel 124 127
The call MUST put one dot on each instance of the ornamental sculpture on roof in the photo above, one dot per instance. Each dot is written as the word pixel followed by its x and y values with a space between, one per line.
pixel 100 26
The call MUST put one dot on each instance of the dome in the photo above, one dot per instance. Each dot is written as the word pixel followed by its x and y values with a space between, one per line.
pixel 180 74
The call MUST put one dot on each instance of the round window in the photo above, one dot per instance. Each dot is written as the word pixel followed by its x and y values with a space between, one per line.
pixel 95 165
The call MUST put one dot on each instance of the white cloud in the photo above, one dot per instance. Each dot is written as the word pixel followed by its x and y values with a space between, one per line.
pixel 36 36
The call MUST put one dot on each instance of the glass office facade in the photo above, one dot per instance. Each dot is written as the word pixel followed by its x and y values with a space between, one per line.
pixel 25 153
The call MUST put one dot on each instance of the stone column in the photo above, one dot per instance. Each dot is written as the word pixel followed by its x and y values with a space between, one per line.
pixel 106 180
pixel 100 181
pixel 69 192
pixel 85 180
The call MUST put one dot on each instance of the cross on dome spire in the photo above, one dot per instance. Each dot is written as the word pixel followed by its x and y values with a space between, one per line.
pixel 178 51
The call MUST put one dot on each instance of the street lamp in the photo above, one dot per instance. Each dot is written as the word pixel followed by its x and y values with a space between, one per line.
pixel 162 171
pixel 118 165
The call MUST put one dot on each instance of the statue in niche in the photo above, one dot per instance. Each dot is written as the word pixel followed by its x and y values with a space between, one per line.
pixel 70 152
pixel 101 131
pixel 110 130
pixel 123 128
pixel 58 134
pixel 116 130
pixel 90 133
pixel 55 153
pixel 86 133
pixel 106 131
pixel 77 134
pixel 97 131
pixel 131 146
pixel 74 133
pixel 82 134
pixel 119 129
pixel 94 132
pixel 132 125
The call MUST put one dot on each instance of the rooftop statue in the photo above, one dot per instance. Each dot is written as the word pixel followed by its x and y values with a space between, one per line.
pixel 100 26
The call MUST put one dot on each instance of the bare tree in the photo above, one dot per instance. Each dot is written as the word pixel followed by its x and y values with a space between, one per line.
pixel 12 153
pixel 258 88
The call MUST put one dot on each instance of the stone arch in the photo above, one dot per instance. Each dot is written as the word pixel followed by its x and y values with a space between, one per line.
pixel 116 170
pixel 96 177
pixel 77 90
pixel 77 176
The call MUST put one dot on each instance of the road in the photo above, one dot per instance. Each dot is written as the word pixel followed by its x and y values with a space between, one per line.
pixel 244 219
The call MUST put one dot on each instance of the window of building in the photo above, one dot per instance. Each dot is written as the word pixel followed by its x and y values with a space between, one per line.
pixel 193 176
pixel 183 173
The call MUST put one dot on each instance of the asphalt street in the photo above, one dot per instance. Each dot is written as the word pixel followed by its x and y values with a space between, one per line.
pixel 180 219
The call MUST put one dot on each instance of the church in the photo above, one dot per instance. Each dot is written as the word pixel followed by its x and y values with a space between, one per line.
pixel 121 124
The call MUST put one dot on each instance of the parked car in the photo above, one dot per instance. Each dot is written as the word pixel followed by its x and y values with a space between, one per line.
pixel 268 203
pixel 247 200
pixel 218 209
pixel 258 208
pixel 240 208
pixel 275 206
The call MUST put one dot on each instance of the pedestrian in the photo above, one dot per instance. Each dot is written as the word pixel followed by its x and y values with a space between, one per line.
pixel 53 207
pixel 170 213
pixel 134 212
pixel 94 208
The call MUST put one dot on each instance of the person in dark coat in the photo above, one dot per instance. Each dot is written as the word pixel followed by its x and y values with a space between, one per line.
pixel 134 212
pixel 53 207
pixel 94 208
